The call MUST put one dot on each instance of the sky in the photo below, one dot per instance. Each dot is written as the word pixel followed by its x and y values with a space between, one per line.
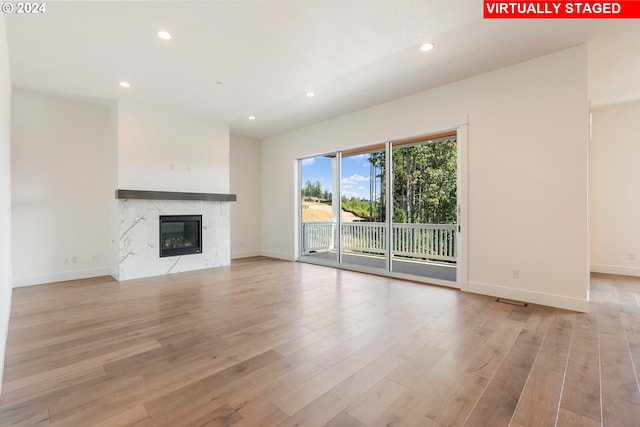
pixel 356 174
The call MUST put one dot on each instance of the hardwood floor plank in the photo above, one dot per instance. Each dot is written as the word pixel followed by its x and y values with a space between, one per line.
pixel 429 376
pixel 454 402
pixel 619 412
pixel 344 420
pixel 200 407
pixel 571 419
pixel 49 382
pixel 353 330
pixel 417 366
pixel 260 413
pixel 498 403
pixel 283 384
pixel 24 416
pixel 407 410
pixel 134 416
pixel 371 404
pixel 223 416
pixel 360 382
pixel 349 328
pixel 161 383
pixel 581 389
pixel 347 348
pixel 490 354
pixel 78 400
pixel 321 412
pixel 310 390
pixel 554 351
pixel 618 375
pixel 265 343
pixel 192 391
pixel 538 405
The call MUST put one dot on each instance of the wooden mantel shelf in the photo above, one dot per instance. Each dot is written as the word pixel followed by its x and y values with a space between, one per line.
pixel 174 195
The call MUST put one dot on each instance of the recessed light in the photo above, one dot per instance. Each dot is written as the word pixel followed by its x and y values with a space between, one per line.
pixel 310 94
pixel 252 117
pixel 125 84
pixel 164 35
pixel 426 47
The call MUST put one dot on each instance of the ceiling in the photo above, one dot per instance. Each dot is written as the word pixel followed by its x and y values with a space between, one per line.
pixel 228 60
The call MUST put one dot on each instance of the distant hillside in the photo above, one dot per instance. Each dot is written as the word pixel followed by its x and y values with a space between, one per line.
pixel 321 212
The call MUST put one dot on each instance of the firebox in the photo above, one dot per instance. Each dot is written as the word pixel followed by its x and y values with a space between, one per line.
pixel 180 235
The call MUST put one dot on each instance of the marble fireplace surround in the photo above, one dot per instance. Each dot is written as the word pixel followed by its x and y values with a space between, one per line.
pixel 138 212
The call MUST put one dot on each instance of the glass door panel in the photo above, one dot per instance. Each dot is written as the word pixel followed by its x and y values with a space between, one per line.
pixel 424 204
pixel 363 209
pixel 318 210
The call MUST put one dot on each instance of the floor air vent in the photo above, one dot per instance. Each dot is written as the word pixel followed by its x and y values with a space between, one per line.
pixel 512 302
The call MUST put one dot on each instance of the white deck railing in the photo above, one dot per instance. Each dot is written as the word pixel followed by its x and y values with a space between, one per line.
pixel 432 241
pixel 429 241
pixel 318 236
pixel 368 237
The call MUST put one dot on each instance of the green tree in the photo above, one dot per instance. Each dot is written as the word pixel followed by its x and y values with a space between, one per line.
pixel 377 160
pixel 314 189
pixel 424 182
pixel 359 207
pixel 399 216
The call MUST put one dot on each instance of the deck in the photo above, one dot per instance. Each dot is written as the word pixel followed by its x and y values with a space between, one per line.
pixel 426 269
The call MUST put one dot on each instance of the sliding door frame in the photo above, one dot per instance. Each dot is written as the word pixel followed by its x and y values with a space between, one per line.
pixel 461 132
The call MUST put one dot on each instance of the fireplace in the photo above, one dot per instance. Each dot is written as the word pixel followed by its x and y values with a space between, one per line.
pixel 137 248
pixel 180 235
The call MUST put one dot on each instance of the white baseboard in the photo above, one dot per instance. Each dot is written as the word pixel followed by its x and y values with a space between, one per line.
pixel 551 300
pixel 615 269
pixel 278 255
pixel 244 254
pixel 60 277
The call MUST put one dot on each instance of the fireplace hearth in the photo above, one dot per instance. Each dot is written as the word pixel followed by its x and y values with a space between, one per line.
pixel 180 235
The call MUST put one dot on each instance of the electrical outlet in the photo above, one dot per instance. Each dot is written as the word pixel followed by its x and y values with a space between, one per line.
pixel 515 273
pixel 66 260
pixel 94 258
pixel 74 259
pixel 632 256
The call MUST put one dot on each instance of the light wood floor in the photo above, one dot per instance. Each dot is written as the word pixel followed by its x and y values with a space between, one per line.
pixel 274 343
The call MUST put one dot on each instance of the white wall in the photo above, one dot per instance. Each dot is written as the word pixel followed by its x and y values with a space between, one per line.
pixel 68 157
pixel 245 182
pixel 528 173
pixel 615 181
pixel 614 66
pixel 5 193
pixel 61 187
pixel 164 151
pixel 161 150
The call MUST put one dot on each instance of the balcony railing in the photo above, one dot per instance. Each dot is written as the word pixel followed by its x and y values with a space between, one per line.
pixel 425 241
pixel 318 236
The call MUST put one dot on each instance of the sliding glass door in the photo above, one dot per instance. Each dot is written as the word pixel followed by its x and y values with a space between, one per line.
pixel 363 209
pixel 318 209
pixel 390 208
pixel 424 201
